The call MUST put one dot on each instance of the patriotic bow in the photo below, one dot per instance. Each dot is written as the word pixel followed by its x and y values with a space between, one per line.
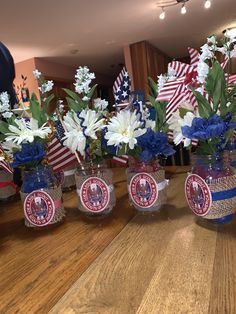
pixel 178 91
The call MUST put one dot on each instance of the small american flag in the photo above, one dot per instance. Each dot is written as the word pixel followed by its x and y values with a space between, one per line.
pixel 121 91
pixel 59 156
pixel 121 87
pixel 3 164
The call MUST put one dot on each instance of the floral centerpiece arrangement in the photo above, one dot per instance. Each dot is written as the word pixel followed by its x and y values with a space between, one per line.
pixel 133 133
pixel 7 187
pixel 84 129
pixel 25 141
pixel 210 189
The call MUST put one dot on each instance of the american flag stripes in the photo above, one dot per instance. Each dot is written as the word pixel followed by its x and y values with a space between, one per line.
pixel 59 156
pixel 121 87
pixel 121 91
pixel 194 56
pixel 3 164
pixel 120 160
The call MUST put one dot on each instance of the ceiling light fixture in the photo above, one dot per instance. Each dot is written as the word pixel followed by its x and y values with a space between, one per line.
pixel 163 14
pixel 183 9
pixel 207 4
pixel 163 4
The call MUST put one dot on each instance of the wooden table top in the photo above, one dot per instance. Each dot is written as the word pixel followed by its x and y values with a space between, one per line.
pixel 125 263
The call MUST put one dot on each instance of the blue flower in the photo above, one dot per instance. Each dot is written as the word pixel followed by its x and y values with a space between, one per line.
pixel 154 144
pixel 30 153
pixel 204 129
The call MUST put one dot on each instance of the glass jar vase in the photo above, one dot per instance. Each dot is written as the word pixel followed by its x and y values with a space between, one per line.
pixel 210 188
pixel 67 178
pixel 42 198
pixel 146 185
pixel 7 186
pixel 95 189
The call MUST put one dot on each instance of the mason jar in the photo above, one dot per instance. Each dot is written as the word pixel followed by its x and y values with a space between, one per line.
pixel 146 185
pixel 42 197
pixel 67 178
pixel 96 195
pixel 210 188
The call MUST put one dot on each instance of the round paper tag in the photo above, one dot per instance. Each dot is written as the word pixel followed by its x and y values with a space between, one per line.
pixel 94 194
pixel 198 195
pixel 143 190
pixel 39 208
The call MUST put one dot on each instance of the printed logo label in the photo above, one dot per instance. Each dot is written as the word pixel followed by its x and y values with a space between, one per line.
pixel 198 195
pixel 39 208
pixel 143 190
pixel 94 194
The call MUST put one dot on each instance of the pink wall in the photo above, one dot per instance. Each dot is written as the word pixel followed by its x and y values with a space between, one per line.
pixel 26 68
pixel 50 70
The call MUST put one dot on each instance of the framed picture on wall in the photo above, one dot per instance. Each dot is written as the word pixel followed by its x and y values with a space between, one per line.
pixel 25 94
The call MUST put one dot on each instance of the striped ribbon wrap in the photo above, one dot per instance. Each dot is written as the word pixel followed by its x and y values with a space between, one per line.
pixel 178 91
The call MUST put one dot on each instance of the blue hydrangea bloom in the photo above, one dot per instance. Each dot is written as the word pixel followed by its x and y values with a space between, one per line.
pixel 34 152
pixel 204 129
pixel 154 144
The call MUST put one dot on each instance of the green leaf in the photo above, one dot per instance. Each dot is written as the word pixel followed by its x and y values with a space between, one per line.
pixel 73 95
pixel 73 105
pixel 4 127
pixel 92 90
pixel 216 84
pixel 183 111
pixel 122 150
pixel 34 97
pixel 153 87
pixel 204 107
pixel 37 112
pixel 47 102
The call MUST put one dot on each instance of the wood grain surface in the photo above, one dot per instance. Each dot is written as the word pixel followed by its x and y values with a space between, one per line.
pixel 129 263
pixel 38 267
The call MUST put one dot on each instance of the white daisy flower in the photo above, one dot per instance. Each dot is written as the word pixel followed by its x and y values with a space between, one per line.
pixel 124 128
pixel 79 128
pixel 75 139
pixel 176 123
pixel 26 131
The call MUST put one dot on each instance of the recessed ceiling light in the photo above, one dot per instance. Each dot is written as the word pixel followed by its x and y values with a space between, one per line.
pixel 162 15
pixel 183 9
pixel 207 4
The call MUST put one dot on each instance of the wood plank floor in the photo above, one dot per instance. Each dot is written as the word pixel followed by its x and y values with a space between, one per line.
pixel 127 263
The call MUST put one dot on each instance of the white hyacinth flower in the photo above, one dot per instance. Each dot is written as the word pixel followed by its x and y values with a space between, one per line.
pixel 46 87
pixel 202 70
pixel 124 128
pixel 26 131
pixel 4 102
pixel 37 74
pixel 212 40
pixel 83 79
pixel 7 114
pixel 100 104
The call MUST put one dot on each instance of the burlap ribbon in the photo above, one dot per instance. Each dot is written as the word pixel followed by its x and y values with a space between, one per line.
pixel 223 207
pixel 7 187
